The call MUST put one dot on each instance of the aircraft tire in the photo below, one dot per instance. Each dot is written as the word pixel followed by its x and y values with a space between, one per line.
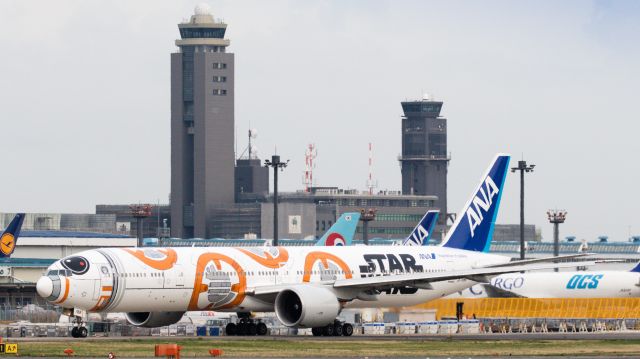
pixel 316 331
pixel 261 329
pixel 347 329
pixel 327 330
pixel 74 332
pixel 337 329
pixel 231 329
pixel 82 332
pixel 242 329
pixel 252 328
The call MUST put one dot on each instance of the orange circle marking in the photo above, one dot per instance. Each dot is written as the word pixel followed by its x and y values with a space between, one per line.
pixel 199 288
pixel 159 264
pixel 7 244
pixel 324 258
pixel 268 260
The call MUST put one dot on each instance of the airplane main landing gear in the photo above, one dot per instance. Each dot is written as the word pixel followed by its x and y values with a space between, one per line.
pixel 246 326
pixel 79 331
pixel 337 328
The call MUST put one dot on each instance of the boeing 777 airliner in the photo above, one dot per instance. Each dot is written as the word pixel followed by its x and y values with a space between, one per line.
pixel 305 286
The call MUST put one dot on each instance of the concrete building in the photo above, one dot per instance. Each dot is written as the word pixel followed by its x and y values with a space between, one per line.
pixel 202 125
pixel 424 159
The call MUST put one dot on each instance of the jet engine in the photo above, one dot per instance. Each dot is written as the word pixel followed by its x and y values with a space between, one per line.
pixel 153 319
pixel 307 306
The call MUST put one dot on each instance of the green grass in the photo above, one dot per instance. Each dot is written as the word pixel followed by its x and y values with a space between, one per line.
pixel 199 347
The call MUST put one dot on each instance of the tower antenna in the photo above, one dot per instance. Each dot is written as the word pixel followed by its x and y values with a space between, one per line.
pixel 310 155
pixel 371 183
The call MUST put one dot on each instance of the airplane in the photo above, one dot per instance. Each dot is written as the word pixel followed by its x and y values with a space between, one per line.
pixel 305 286
pixel 10 236
pixel 422 232
pixel 573 284
pixel 341 232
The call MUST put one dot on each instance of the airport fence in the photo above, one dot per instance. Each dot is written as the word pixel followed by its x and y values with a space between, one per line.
pixel 556 308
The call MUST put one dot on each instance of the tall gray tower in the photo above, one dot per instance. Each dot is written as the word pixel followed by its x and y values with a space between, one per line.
pixel 424 158
pixel 202 125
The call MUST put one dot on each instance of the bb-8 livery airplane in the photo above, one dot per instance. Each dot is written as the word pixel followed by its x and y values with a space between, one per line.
pixel 305 286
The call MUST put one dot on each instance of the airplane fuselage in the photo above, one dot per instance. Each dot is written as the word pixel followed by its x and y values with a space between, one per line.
pixel 223 279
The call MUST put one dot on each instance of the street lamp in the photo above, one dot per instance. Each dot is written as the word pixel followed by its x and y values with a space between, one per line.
pixel 556 217
pixel 276 164
pixel 523 168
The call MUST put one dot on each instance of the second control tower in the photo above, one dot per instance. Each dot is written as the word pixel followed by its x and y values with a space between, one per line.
pixel 424 158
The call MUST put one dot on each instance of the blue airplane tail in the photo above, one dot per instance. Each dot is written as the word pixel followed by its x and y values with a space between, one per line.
pixel 10 236
pixel 421 234
pixel 636 268
pixel 341 233
pixel 473 228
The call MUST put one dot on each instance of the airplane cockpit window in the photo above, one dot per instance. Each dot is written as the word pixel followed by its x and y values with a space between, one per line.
pixel 77 265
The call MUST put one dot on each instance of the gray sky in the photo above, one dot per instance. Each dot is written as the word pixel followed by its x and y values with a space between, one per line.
pixel 84 97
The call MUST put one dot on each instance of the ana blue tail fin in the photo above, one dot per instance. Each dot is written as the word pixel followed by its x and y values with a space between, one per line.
pixel 473 228
pixel 342 232
pixel 10 236
pixel 421 234
pixel 636 268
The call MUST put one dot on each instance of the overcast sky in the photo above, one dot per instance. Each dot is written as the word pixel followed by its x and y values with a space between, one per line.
pixel 84 97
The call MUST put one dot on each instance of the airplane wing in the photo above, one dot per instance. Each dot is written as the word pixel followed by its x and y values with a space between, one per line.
pixel 478 275
pixel 421 279
pixel 495 292
pixel 538 260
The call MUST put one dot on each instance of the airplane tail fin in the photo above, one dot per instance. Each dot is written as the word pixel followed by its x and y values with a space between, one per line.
pixel 473 228
pixel 421 234
pixel 636 268
pixel 342 232
pixel 10 236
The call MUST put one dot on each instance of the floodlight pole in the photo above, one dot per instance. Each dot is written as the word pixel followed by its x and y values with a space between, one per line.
pixel 276 164
pixel 523 168
pixel 556 217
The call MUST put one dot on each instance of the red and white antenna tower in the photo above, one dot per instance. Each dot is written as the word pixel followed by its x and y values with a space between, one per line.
pixel 309 164
pixel 371 183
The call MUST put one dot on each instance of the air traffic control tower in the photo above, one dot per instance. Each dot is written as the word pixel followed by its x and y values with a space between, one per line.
pixel 202 125
pixel 424 158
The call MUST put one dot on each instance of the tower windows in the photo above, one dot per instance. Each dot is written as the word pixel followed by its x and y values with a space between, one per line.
pixel 219 79
pixel 219 92
pixel 219 65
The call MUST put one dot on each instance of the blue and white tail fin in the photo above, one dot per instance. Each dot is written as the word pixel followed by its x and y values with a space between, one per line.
pixel 473 228
pixel 636 268
pixel 421 234
pixel 342 232
pixel 10 236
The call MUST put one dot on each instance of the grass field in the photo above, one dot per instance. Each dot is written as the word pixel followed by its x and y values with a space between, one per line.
pixel 199 347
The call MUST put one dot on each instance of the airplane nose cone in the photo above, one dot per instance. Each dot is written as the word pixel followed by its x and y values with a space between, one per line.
pixel 44 287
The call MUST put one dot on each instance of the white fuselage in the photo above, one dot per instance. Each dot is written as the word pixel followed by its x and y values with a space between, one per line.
pixel 582 284
pixel 223 279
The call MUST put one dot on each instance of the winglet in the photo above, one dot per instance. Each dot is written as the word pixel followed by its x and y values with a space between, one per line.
pixel 636 268
pixel 421 234
pixel 342 232
pixel 10 236
pixel 473 228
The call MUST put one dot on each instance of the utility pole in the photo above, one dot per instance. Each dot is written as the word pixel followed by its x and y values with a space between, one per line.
pixel 523 168
pixel 556 217
pixel 366 216
pixel 276 164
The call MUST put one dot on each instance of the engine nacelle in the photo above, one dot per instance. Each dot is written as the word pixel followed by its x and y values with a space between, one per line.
pixel 307 306
pixel 153 319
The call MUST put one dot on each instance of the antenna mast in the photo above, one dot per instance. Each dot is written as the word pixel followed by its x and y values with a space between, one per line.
pixel 371 183
pixel 309 164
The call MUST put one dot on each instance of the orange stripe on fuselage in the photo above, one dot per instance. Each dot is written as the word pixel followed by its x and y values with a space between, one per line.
pixel 66 291
pixel 268 260
pixel 323 257
pixel 159 264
